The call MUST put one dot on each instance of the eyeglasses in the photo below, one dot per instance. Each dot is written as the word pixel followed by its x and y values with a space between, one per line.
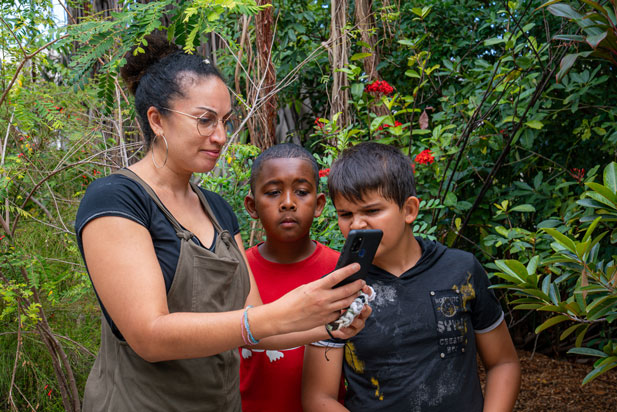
pixel 207 122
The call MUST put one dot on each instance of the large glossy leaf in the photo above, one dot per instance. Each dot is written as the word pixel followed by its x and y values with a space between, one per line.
pixel 587 352
pixel 562 239
pixel 605 191
pixel 595 40
pixel 564 10
pixel 610 177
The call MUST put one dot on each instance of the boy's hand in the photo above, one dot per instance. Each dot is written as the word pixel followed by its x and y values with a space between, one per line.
pixel 356 326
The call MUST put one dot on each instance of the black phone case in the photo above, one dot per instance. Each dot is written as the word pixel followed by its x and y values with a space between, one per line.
pixel 360 246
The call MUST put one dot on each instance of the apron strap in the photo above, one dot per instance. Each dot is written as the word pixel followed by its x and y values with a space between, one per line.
pixel 181 232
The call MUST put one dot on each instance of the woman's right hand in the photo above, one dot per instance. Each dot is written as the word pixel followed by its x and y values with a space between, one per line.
pixel 309 305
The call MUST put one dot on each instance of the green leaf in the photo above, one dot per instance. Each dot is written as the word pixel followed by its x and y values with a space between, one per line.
pixel 565 65
pixel 564 10
pixel 580 335
pixel 610 176
pixel 605 192
pixel 513 268
pixel 528 306
pixel 599 371
pixel 532 266
pixel 570 330
pixel 595 40
pixel 551 322
pixel 561 239
pixel 360 56
pixel 523 208
pixel 587 352
pixel 535 124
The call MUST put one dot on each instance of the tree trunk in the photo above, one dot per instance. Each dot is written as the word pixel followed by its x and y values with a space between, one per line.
pixel 338 51
pixel 267 78
pixel 365 22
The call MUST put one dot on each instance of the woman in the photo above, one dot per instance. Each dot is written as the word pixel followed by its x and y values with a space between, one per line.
pixel 167 262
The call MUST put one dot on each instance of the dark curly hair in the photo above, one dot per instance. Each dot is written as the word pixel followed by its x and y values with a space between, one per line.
pixel 283 151
pixel 155 77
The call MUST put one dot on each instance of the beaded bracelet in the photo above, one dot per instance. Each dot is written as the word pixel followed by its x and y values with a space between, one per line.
pixel 251 338
pixel 246 342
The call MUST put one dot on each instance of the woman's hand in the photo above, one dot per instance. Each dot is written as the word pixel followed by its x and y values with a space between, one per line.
pixel 309 305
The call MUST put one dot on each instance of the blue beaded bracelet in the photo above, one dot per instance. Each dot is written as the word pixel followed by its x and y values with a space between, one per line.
pixel 252 339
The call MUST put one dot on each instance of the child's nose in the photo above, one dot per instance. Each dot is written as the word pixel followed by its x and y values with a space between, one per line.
pixel 357 223
pixel 287 202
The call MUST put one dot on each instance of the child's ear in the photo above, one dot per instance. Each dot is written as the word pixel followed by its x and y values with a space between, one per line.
pixel 412 208
pixel 321 202
pixel 249 205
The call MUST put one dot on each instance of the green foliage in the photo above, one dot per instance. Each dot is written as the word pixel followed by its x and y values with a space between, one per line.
pixel 599 30
pixel 577 281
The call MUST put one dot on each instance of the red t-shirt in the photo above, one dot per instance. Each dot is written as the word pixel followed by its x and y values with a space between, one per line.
pixel 272 380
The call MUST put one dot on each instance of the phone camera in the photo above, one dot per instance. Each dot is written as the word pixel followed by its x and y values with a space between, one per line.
pixel 355 246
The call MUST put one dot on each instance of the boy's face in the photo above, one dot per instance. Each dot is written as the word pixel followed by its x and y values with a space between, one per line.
pixel 285 199
pixel 376 212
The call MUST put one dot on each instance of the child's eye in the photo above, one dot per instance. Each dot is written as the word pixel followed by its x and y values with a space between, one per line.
pixel 272 192
pixel 302 192
pixel 344 214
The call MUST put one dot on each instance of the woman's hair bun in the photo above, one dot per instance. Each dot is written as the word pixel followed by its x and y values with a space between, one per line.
pixel 136 64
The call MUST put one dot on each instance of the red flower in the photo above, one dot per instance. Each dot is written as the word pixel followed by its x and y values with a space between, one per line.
pixel 1 237
pixel 578 174
pixel 319 123
pixel 385 125
pixel 425 157
pixel 20 155
pixel 324 172
pixel 379 87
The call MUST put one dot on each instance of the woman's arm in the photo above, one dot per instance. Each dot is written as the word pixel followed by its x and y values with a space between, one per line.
pixel 321 378
pixel 126 274
pixel 503 371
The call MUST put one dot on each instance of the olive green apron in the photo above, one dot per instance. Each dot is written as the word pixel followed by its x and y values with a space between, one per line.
pixel 204 281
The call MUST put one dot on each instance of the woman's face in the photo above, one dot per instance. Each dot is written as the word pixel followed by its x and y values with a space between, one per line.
pixel 189 150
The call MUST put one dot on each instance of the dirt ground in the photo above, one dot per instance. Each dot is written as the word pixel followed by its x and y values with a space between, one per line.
pixel 550 385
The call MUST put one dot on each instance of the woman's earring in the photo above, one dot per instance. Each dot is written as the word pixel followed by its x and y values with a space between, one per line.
pixel 166 151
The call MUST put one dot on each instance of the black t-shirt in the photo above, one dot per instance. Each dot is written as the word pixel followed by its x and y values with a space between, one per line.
pixel 417 351
pixel 117 195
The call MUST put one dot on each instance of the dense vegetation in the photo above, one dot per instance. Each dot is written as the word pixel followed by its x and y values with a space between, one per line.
pixel 506 108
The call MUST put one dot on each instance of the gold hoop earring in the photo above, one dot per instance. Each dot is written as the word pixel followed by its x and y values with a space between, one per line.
pixel 166 152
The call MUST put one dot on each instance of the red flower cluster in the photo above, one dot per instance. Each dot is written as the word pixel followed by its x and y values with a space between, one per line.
pixel 385 125
pixel 20 155
pixel 324 172
pixel 1 237
pixel 425 157
pixel 319 123
pixel 578 174
pixel 379 86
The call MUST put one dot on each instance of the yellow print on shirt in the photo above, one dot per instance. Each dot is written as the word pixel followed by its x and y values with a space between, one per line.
pixel 352 358
pixel 378 394
pixel 466 291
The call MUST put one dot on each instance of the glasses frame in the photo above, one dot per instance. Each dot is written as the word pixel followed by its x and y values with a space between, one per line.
pixel 222 120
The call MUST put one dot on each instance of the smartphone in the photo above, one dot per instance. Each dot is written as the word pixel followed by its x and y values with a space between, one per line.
pixel 360 246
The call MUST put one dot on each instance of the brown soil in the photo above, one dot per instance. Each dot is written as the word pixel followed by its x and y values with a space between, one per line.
pixel 550 385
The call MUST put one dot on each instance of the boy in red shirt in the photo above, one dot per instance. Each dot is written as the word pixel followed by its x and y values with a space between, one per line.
pixel 285 198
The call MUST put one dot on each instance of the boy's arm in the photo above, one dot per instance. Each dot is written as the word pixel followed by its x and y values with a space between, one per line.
pixel 503 371
pixel 321 378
